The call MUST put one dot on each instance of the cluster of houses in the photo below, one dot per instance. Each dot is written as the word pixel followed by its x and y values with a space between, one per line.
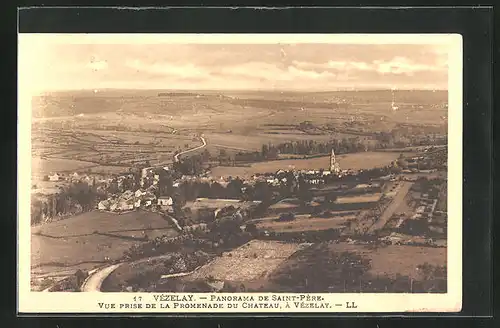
pixel 150 177
pixel 313 177
pixel 129 201
pixel 75 177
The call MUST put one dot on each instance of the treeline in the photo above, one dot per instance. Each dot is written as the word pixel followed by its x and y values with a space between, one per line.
pixel 191 190
pixel 73 199
pixel 196 164
pixel 193 164
pixel 340 146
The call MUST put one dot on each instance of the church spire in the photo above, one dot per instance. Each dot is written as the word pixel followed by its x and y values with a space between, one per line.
pixel 334 166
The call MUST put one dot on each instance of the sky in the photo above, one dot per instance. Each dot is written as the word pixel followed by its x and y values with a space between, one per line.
pixel 280 66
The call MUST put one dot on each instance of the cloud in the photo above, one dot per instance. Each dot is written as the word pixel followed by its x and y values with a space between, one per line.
pixel 396 65
pixel 259 66
pixel 181 71
pixel 402 65
pixel 272 72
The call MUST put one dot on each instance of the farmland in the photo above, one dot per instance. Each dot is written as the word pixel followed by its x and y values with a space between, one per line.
pixel 114 131
pixel 87 239
pixel 303 223
pixel 356 161
pixel 122 128
pixel 253 260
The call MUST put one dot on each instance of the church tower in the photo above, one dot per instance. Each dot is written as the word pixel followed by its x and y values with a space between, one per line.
pixel 334 166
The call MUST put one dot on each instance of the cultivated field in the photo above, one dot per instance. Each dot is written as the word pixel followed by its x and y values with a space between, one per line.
pixel 304 222
pixel 366 198
pixel 59 150
pixel 87 239
pixel 208 203
pixel 41 166
pixel 354 161
pixel 126 127
pixel 254 260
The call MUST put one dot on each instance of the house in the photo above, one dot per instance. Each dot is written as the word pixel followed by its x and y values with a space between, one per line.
pixel 54 177
pixel 126 205
pixel 139 193
pixel 147 203
pixel 127 195
pixel 165 201
pixel 149 196
pixel 137 203
pixel 103 205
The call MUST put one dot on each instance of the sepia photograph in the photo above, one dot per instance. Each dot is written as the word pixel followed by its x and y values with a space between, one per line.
pixel 241 165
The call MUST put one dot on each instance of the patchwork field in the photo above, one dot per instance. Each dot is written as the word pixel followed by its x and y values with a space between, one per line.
pixel 254 260
pixel 356 161
pixel 64 149
pixel 127 127
pixel 91 237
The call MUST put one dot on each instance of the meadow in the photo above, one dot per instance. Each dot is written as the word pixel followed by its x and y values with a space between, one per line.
pixel 88 239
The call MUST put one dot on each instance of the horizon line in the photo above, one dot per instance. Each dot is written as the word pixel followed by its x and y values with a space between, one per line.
pixel 253 90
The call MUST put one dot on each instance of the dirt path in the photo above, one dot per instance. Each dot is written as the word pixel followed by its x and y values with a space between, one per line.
pixel 176 157
pixel 393 206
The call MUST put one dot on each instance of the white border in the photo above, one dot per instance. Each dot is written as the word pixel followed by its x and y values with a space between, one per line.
pixel 38 302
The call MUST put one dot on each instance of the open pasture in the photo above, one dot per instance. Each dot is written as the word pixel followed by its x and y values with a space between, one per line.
pixel 92 236
pixel 395 259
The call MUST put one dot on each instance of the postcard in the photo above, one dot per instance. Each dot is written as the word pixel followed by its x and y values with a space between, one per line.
pixel 239 173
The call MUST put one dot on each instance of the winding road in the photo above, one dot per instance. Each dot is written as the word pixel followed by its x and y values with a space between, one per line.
pixel 94 282
pixel 176 157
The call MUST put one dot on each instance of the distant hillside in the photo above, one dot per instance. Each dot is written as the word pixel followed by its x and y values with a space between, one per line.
pixel 170 103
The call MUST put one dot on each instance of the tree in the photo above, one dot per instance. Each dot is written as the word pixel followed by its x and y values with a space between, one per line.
pixel 205 155
pixel 233 188
pixel 222 156
pixel 251 228
pixel 265 151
